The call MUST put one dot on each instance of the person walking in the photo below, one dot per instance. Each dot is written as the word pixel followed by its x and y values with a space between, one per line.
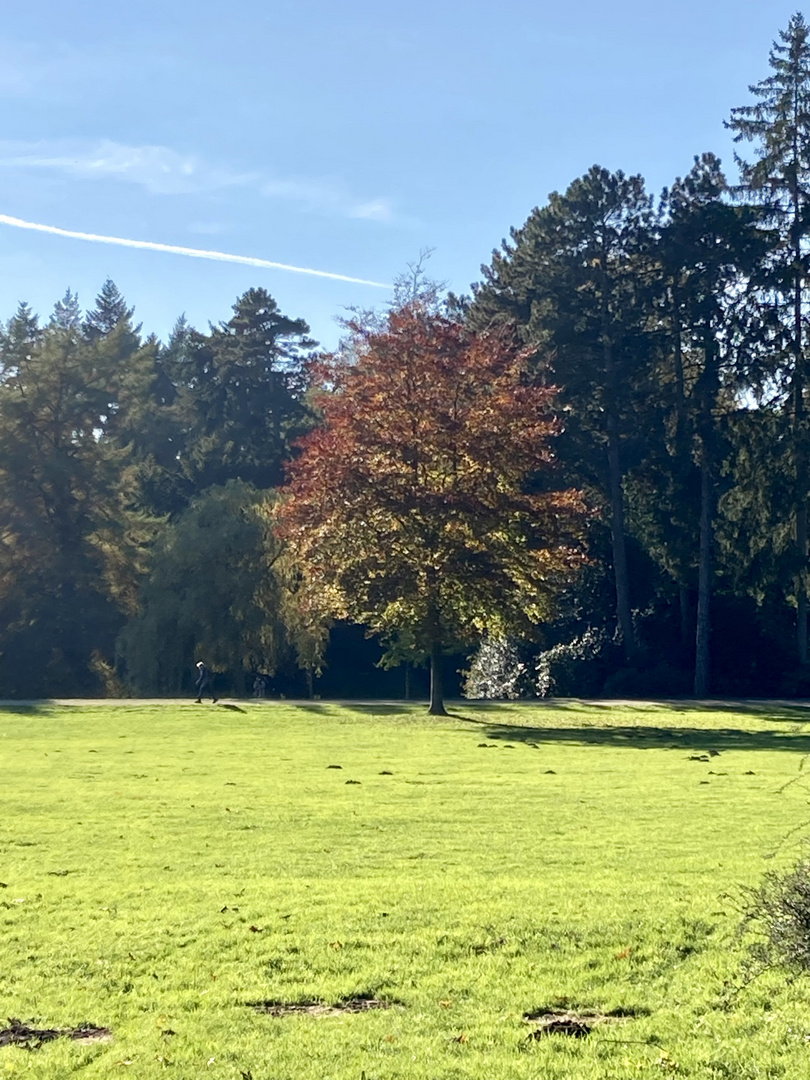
pixel 204 684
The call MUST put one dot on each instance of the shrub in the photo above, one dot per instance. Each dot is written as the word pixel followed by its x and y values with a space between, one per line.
pixel 778 914
pixel 580 667
pixel 499 669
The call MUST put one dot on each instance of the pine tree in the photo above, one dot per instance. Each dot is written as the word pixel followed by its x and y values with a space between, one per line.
pixel 574 280
pixel 240 394
pixel 66 313
pixel 110 311
pixel 707 249
pixel 778 181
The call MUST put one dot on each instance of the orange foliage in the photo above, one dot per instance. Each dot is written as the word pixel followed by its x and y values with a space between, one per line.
pixel 424 505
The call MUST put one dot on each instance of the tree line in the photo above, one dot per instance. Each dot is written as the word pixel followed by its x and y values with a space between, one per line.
pixel 140 480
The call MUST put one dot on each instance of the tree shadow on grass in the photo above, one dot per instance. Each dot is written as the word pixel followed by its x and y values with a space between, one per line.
pixel 385 708
pixel 647 737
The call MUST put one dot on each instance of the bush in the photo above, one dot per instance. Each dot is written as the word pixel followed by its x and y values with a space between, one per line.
pixel 499 669
pixel 778 914
pixel 579 668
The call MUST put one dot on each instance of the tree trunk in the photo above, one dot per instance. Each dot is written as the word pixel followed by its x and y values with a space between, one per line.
pixel 623 615
pixel 683 603
pixel 799 436
pixel 703 631
pixel 708 395
pixel 683 459
pixel 622 580
pixel 436 681
pixel 801 585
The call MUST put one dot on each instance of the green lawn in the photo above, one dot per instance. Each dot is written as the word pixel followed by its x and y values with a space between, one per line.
pixel 166 866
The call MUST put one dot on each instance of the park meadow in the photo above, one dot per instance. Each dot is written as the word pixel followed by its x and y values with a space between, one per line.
pixel 274 891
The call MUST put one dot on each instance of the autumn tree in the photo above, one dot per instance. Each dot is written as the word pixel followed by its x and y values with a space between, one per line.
pixel 425 505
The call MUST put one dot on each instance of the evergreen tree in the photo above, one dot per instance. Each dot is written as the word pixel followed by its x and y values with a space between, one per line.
pixel 778 181
pixel 71 539
pixel 66 312
pixel 574 279
pixel 110 310
pixel 240 393
pixel 708 248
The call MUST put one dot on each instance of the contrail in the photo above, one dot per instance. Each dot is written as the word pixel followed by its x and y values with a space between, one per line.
pixel 194 253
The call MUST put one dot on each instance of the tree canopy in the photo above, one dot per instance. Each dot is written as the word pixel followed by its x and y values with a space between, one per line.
pixel 424 505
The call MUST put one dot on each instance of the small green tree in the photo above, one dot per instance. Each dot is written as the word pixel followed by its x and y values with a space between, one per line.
pixel 213 591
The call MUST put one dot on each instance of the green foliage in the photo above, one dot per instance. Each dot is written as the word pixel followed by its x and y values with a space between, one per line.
pixel 240 394
pixel 72 536
pixel 212 594
pixel 777 913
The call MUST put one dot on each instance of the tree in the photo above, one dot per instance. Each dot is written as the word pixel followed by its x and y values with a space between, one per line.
pixel 66 312
pixel 707 249
pixel 110 310
pixel 71 540
pixel 778 181
pixel 240 394
pixel 213 591
pixel 425 506
pixel 573 279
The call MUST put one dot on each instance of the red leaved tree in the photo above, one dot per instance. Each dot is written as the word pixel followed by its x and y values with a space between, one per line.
pixel 424 506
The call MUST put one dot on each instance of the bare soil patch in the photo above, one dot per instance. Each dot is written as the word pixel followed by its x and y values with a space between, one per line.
pixel 319 1008
pixel 19 1034
pixel 575 1024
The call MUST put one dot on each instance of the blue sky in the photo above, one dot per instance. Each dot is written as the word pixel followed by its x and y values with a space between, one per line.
pixel 343 137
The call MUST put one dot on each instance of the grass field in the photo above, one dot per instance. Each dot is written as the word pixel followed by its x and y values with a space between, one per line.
pixel 166 867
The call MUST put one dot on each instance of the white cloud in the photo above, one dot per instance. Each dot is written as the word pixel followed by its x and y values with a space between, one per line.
pixel 163 171
pixel 158 169
pixel 376 210
pixel 324 196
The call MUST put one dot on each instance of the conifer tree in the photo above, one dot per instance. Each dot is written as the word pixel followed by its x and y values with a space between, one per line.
pixel 240 393
pixel 778 181
pixel 574 280
pixel 707 249
pixel 71 540
pixel 110 310
pixel 66 312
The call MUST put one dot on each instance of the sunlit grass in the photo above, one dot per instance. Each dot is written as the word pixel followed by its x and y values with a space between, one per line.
pixel 166 866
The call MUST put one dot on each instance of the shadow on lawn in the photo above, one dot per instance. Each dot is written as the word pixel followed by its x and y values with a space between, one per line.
pixel 648 738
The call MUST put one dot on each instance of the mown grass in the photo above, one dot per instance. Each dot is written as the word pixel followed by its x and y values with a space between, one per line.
pixel 166 866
